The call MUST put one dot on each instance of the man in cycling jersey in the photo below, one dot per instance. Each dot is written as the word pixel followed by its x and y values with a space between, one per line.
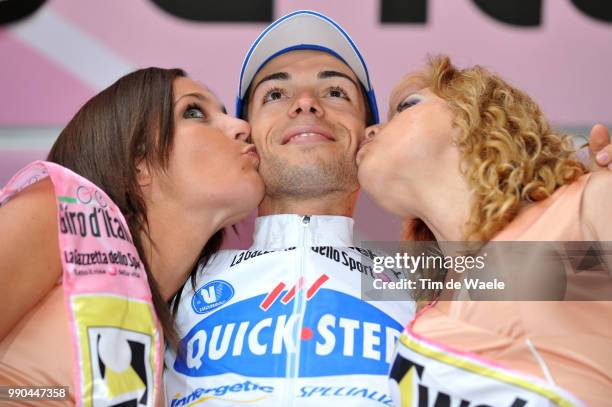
pixel 283 323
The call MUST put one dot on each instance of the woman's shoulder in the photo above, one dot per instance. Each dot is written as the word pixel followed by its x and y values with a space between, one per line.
pixel 32 209
pixel 29 250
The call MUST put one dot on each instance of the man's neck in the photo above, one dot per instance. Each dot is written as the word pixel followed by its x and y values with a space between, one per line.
pixel 336 203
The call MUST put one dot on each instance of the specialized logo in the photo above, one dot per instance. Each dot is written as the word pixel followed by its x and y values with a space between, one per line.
pixel 211 296
pixel 338 333
pixel 345 392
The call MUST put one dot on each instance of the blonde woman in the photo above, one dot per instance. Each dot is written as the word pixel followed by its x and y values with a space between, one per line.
pixel 495 171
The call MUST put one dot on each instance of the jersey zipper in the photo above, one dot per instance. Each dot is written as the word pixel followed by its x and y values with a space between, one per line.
pixel 299 307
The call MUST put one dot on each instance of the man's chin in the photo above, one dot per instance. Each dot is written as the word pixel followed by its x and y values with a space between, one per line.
pixel 313 159
pixel 308 174
pixel 306 153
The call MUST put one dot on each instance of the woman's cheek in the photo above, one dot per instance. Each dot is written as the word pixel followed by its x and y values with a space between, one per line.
pixel 369 170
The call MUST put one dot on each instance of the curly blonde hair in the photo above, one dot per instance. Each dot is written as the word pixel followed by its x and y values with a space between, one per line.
pixel 510 154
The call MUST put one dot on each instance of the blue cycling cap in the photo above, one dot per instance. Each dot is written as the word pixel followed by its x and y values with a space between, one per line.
pixel 304 30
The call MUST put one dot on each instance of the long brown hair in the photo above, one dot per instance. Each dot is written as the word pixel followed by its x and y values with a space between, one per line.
pixel 128 123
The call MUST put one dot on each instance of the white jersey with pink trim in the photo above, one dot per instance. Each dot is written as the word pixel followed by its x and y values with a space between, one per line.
pixel 283 323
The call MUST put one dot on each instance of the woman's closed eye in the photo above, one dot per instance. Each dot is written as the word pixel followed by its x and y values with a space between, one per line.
pixel 408 102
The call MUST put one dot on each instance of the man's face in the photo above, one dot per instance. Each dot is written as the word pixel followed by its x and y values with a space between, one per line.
pixel 308 117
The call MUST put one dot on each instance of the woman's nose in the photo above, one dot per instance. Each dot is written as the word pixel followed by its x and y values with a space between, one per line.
pixel 239 130
pixel 372 131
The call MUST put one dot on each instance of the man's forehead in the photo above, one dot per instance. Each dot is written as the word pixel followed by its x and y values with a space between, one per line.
pixel 304 62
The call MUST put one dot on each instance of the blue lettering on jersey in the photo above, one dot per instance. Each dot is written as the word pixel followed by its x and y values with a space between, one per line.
pixel 340 335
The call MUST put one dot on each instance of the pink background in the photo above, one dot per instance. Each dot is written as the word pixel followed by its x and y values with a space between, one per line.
pixel 565 63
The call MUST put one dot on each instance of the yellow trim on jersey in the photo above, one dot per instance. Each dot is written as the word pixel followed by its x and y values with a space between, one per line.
pixel 460 363
pixel 406 386
pixel 111 311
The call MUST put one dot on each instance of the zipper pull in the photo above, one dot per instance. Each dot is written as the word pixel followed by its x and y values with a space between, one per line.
pixel 305 220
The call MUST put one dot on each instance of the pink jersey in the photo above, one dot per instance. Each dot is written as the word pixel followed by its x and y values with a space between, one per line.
pixel 114 336
pixel 522 353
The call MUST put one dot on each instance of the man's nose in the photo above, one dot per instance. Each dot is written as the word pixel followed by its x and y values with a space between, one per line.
pixel 306 102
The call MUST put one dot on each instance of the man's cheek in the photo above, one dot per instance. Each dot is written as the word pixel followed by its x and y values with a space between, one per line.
pixel 257 136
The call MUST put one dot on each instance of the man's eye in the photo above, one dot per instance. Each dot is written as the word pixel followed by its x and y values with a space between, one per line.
pixel 193 112
pixel 272 95
pixel 408 102
pixel 338 92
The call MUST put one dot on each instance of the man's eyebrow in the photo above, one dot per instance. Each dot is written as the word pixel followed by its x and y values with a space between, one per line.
pixel 335 74
pixel 274 76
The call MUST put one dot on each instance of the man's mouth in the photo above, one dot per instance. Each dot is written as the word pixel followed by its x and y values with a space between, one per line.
pixel 307 135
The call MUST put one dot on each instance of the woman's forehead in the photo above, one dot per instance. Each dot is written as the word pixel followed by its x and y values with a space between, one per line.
pixel 412 82
pixel 184 86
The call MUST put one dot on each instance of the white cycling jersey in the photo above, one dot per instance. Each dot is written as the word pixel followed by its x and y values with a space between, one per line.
pixel 283 322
